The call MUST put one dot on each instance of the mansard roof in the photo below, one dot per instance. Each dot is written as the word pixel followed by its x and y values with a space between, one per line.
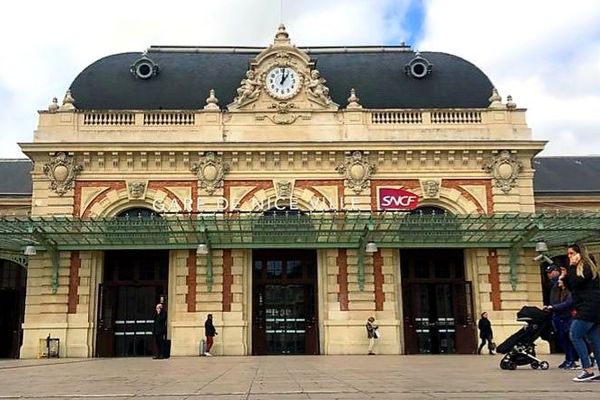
pixel 570 175
pixel 15 177
pixel 186 74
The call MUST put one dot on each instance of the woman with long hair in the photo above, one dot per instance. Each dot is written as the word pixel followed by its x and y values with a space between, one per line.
pixel 582 279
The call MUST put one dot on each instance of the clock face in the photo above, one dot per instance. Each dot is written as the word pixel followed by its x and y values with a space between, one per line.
pixel 282 82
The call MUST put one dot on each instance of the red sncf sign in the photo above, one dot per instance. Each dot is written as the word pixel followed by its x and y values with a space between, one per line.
pixel 397 199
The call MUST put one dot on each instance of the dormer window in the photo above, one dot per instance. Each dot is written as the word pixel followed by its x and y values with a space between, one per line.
pixel 419 67
pixel 144 68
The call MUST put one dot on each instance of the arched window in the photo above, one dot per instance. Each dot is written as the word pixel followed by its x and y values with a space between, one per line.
pixel 138 212
pixel 430 210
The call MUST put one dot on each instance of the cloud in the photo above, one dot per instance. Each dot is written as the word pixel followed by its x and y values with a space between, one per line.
pixel 546 54
pixel 45 46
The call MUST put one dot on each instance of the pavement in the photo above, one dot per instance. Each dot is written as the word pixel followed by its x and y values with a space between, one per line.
pixel 288 378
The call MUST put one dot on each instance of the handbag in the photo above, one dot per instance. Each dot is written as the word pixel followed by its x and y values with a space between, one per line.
pixel 376 333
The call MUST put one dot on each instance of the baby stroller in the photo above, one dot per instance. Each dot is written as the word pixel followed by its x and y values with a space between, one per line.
pixel 519 348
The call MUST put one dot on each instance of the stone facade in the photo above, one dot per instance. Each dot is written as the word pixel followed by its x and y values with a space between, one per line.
pixel 251 153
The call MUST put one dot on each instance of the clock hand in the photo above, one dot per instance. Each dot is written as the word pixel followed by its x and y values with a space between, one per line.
pixel 282 76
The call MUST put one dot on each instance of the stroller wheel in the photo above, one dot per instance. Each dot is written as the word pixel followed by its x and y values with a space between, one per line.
pixel 503 365
pixel 544 365
pixel 535 365
pixel 511 365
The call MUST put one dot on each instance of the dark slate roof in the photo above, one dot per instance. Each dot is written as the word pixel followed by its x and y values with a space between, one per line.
pixel 566 175
pixel 187 74
pixel 15 177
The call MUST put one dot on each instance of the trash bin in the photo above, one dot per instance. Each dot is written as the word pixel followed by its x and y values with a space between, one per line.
pixel 49 347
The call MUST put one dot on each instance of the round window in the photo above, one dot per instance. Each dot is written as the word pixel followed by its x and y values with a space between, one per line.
pixel 144 70
pixel 418 70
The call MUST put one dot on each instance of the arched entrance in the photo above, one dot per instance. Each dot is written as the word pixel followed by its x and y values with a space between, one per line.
pixel 284 291
pixel 437 298
pixel 133 282
pixel 13 281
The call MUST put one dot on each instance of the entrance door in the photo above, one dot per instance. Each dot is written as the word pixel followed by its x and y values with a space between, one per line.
pixel 12 300
pixel 134 282
pixel 284 303
pixel 438 316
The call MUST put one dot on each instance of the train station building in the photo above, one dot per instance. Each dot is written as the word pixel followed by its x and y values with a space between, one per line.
pixel 292 193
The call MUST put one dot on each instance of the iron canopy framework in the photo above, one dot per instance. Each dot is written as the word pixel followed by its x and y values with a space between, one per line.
pixel 348 229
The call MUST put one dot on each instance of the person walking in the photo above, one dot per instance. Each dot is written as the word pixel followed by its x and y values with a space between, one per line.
pixel 210 332
pixel 561 305
pixel 372 334
pixel 159 331
pixel 582 280
pixel 485 333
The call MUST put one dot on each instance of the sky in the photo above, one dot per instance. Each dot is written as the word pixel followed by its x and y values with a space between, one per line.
pixel 545 54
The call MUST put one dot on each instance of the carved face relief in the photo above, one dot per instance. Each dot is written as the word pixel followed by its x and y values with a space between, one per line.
pixel 284 189
pixel 61 170
pixel 431 188
pixel 210 172
pixel 137 189
pixel 357 170
pixel 505 170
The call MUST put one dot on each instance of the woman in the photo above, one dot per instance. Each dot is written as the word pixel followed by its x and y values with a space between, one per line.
pixel 581 278
pixel 372 334
pixel 485 333
pixel 159 330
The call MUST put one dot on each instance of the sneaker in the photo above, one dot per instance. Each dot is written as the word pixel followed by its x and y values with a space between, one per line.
pixel 584 376
pixel 563 365
pixel 568 365
pixel 207 354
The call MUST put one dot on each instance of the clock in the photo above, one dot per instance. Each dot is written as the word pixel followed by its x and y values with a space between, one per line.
pixel 282 82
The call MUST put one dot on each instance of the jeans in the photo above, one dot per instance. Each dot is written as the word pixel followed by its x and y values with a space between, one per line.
pixel 561 326
pixel 580 330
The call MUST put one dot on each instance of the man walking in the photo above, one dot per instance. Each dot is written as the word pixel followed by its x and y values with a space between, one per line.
pixel 210 332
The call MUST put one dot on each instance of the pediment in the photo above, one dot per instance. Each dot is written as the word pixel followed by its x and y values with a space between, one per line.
pixel 282 79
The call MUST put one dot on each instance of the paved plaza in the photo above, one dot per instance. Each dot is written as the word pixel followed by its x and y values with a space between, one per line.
pixel 287 378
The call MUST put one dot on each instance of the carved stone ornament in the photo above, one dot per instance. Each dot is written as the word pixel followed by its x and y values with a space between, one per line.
pixel 495 100
pixel 212 103
pixel 430 187
pixel 210 172
pixel 505 170
pixel 353 100
pixel 315 88
pixel 284 189
pixel 358 170
pixel 68 102
pixel 53 107
pixel 249 89
pixel 61 170
pixel 136 189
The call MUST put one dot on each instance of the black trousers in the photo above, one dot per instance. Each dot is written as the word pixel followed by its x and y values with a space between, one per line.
pixel 159 346
pixel 485 340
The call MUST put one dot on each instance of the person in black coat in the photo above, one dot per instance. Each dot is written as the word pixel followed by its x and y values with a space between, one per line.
pixel 582 279
pixel 210 332
pixel 485 333
pixel 159 331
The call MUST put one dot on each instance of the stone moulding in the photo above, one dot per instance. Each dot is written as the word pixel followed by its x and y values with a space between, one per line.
pixel 210 172
pixel 62 171
pixel 505 169
pixel 357 170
